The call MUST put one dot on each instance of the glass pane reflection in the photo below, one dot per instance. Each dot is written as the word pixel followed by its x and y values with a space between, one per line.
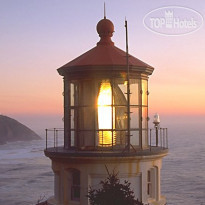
pixel 72 119
pixel 72 92
pixel 144 117
pixel 134 90
pixel 144 92
pixel 144 138
pixel 134 140
pixel 134 117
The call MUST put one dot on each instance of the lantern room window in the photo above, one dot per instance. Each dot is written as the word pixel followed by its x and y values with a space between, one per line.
pixel 98 113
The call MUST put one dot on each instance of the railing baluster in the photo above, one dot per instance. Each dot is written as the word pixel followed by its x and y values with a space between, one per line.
pixel 164 138
pixel 150 140
pixel 56 140
pixel 161 137
pixel 46 139
pixel 54 137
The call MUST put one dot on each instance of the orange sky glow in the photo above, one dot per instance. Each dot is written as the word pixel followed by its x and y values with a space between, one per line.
pixel 33 48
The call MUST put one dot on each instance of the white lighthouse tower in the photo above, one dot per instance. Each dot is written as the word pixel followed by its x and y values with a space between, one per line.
pixel 106 123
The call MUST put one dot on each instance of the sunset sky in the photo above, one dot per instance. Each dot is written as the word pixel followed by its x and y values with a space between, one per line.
pixel 39 36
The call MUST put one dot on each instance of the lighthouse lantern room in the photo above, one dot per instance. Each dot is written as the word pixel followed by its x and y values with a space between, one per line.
pixel 106 124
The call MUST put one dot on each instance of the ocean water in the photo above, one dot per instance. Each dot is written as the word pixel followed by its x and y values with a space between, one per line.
pixel 26 176
pixel 25 173
pixel 183 170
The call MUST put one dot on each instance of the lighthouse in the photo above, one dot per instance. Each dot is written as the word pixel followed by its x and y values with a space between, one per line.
pixel 106 125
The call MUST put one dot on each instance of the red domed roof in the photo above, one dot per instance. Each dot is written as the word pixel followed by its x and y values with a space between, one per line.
pixel 104 54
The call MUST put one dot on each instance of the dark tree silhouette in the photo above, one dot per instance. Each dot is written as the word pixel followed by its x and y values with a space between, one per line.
pixel 112 192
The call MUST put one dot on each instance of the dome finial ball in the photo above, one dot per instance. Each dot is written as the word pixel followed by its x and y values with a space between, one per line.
pixel 105 28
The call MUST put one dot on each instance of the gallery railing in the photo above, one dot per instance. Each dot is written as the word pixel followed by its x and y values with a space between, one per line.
pixel 57 137
pixel 157 139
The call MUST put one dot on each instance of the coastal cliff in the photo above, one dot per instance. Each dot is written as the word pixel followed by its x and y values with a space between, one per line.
pixel 11 130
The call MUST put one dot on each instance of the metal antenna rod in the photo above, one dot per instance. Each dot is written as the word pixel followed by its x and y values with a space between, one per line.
pixel 128 90
pixel 104 11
